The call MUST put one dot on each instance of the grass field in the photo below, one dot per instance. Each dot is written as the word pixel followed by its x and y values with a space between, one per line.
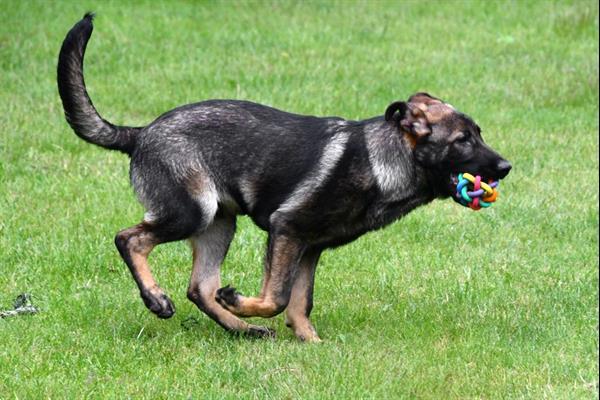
pixel 446 303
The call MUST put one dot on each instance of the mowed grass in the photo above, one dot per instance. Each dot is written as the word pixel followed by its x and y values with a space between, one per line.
pixel 446 303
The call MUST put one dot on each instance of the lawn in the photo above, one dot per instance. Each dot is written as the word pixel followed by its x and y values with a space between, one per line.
pixel 446 303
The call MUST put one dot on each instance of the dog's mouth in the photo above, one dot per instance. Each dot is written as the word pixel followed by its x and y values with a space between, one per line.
pixel 455 180
pixel 453 183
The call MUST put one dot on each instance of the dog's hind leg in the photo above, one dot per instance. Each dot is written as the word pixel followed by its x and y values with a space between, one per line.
pixel 136 243
pixel 282 259
pixel 209 248
pixel 301 300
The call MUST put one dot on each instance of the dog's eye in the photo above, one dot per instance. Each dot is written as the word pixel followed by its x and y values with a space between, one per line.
pixel 463 137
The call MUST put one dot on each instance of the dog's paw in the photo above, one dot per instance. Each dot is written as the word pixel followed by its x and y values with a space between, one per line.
pixel 260 332
pixel 227 297
pixel 159 304
pixel 308 336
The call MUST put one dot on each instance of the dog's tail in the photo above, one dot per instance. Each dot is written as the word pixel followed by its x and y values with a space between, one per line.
pixel 79 110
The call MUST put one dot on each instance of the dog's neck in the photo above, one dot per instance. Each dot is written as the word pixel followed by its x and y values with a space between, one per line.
pixel 396 172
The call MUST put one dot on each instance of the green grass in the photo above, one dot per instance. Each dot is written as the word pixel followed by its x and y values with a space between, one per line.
pixel 446 303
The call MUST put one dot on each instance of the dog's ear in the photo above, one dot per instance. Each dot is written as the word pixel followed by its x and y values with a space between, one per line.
pixel 398 106
pixel 415 121
pixel 410 118
pixel 424 98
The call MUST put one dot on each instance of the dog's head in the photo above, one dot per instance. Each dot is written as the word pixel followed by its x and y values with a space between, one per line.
pixel 445 141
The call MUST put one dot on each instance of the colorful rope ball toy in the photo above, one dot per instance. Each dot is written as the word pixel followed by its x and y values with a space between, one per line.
pixel 473 193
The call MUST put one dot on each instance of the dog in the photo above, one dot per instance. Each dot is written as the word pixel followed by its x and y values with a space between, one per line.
pixel 312 183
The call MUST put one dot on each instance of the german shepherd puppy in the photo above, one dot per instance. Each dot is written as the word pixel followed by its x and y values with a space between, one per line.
pixel 311 183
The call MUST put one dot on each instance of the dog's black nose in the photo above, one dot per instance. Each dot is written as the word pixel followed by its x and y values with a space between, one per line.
pixel 503 168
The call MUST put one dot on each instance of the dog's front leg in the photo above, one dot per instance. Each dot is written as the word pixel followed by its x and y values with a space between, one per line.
pixel 301 300
pixel 283 255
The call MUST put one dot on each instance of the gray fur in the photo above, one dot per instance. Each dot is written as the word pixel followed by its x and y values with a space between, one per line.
pixel 390 159
pixel 332 153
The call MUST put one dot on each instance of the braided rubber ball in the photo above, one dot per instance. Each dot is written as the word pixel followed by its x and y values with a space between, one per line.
pixel 473 193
